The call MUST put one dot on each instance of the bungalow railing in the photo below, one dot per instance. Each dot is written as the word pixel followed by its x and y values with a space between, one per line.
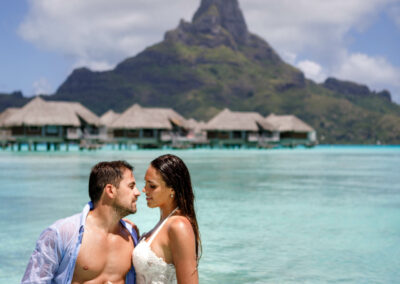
pixel 90 136
pixel 266 141
pixel 165 136
pixel 5 135
pixel 253 137
pixel 74 133
pixel 269 139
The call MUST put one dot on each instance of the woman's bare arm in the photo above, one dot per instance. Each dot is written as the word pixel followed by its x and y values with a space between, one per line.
pixel 183 250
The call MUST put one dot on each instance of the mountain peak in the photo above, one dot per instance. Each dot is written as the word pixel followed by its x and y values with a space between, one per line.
pixel 221 13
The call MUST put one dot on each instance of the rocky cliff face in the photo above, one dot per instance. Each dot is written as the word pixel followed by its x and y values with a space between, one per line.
pixel 353 89
pixel 214 15
pixel 221 23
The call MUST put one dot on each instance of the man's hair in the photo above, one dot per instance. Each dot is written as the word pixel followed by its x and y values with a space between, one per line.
pixel 105 173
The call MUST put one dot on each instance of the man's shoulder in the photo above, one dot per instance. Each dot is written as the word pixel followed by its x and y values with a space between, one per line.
pixel 67 224
pixel 132 229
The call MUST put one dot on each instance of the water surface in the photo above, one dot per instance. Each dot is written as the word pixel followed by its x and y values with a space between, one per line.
pixel 321 215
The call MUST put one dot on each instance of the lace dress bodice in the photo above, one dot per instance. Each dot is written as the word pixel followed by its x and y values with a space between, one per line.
pixel 151 269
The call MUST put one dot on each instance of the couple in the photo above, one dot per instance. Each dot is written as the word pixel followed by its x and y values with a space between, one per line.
pixel 96 245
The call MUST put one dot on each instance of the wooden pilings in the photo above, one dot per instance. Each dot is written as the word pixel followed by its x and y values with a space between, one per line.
pixel 33 146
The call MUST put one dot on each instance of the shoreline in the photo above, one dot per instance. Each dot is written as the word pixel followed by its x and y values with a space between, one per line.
pixel 73 148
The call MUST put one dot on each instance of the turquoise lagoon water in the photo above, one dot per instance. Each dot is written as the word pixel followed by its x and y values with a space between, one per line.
pixel 321 215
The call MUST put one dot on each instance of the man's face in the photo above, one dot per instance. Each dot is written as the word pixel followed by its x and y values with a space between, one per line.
pixel 127 194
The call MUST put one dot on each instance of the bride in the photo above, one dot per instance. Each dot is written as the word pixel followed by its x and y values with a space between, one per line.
pixel 169 253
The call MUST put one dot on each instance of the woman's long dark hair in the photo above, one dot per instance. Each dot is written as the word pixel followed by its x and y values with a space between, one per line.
pixel 176 175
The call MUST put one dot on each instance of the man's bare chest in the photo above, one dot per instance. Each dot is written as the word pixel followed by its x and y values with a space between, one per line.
pixel 103 257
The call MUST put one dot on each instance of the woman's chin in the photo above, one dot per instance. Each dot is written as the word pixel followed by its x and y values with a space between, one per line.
pixel 150 205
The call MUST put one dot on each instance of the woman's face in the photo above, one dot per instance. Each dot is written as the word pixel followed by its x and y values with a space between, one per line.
pixel 157 192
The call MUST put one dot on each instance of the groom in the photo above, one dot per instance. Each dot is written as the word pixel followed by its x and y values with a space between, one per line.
pixel 95 245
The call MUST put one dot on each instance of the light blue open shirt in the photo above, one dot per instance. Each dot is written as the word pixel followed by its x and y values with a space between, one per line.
pixel 53 260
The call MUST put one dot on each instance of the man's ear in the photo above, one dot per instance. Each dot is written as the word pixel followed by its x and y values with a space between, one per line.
pixel 110 191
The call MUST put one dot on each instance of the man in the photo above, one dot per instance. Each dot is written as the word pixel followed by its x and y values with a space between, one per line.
pixel 94 246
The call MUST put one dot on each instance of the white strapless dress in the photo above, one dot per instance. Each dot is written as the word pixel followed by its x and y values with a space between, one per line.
pixel 151 269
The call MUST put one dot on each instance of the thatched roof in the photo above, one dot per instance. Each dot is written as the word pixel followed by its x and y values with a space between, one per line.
pixel 109 117
pixel 228 120
pixel 39 112
pixel 6 113
pixel 291 123
pixel 137 117
pixel 195 125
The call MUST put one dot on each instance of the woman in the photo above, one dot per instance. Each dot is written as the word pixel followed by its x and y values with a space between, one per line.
pixel 170 251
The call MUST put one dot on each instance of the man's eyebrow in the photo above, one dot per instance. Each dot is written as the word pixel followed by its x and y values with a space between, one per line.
pixel 132 183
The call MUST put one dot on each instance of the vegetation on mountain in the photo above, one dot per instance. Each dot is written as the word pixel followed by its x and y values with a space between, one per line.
pixel 15 99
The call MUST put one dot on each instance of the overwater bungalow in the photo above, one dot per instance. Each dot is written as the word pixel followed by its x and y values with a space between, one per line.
pixel 149 128
pixel 5 133
pixel 52 122
pixel 292 130
pixel 197 135
pixel 109 117
pixel 105 121
pixel 237 128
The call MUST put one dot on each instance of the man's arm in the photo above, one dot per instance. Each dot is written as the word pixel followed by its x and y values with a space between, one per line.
pixel 44 260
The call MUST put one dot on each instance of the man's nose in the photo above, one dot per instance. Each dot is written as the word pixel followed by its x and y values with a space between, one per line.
pixel 137 191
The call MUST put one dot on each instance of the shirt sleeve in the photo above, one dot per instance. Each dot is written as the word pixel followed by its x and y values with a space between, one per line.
pixel 44 260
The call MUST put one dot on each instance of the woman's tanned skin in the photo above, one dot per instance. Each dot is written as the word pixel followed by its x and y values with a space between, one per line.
pixel 175 243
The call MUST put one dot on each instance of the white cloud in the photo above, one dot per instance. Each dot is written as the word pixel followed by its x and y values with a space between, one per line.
pixel 103 30
pixel 375 72
pixel 312 70
pixel 108 31
pixel 316 26
pixel 41 86
pixel 100 33
pixel 371 70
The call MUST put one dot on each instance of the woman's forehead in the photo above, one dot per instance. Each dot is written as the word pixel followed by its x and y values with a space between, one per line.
pixel 153 174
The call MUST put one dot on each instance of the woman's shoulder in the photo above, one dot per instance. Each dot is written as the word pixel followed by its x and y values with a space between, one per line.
pixel 179 226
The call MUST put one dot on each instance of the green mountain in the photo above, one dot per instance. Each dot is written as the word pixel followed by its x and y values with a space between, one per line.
pixel 214 62
pixel 15 99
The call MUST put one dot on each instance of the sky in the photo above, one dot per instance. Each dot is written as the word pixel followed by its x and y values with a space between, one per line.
pixel 42 41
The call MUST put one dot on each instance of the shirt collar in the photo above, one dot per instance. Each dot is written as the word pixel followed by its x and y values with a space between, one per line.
pixel 84 214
